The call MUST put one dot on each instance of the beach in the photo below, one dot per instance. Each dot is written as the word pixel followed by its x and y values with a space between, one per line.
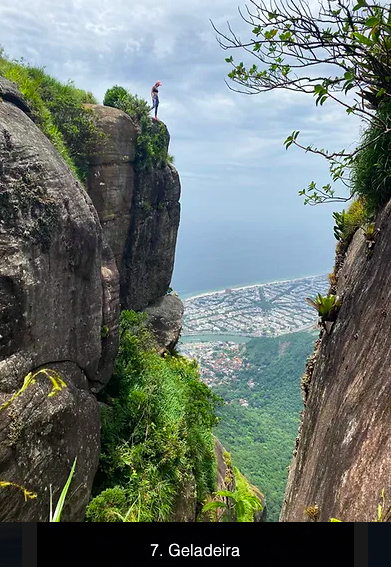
pixel 248 286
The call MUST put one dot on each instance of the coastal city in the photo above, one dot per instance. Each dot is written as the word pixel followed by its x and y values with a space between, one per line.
pixel 219 361
pixel 217 325
pixel 255 311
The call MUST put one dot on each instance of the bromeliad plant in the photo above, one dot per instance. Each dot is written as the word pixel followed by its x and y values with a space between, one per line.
pixel 339 227
pixel 327 308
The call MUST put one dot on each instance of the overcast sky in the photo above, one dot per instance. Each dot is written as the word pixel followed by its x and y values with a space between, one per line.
pixel 236 174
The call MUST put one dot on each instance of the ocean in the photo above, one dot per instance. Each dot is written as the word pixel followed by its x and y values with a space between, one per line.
pixel 215 259
pixel 232 234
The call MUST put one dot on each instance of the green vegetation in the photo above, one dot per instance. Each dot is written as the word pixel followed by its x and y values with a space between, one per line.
pixel 119 97
pixel 56 516
pixel 152 141
pixel 353 40
pixel 371 171
pixel 157 427
pixel 327 306
pixel 347 222
pixel 58 110
pixel 261 437
pixel 242 502
pixel 104 333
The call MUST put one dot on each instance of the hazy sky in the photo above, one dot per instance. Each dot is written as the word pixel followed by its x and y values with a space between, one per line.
pixel 239 184
pixel 10 545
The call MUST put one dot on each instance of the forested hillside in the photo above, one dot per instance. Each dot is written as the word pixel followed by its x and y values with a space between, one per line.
pixel 261 435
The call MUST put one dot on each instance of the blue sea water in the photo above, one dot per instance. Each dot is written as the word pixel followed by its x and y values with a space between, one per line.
pixel 246 227
pixel 216 255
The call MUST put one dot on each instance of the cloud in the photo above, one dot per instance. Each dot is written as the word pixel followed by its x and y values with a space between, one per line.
pixel 222 141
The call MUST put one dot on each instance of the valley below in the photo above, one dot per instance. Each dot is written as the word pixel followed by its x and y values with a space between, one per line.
pixel 251 345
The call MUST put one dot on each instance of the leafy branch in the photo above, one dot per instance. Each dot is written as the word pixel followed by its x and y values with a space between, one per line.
pixel 290 40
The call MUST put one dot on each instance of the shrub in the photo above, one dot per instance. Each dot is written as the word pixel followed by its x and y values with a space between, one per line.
pixel 371 172
pixel 347 222
pixel 156 432
pixel 243 500
pixel 114 96
pixel 152 141
pixel 58 111
pixel 152 145
pixel 119 97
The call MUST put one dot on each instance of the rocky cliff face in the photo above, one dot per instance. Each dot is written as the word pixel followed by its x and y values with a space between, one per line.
pixel 343 456
pixel 58 289
pixel 139 210
pixel 60 296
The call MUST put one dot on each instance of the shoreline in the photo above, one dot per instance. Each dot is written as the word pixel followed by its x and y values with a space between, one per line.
pixel 218 291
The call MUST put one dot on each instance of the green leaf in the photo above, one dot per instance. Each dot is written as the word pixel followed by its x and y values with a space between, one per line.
pixel 240 511
pixel 60 504
pixel 363 39
pixel 334 520
pixel 214 506
pixel 372 21
pixel 360 4
pixel 225 494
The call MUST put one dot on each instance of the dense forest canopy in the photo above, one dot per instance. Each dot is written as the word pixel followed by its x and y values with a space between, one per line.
pixel 261 436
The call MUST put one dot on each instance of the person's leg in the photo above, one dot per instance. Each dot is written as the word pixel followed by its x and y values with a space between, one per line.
pixel 156 105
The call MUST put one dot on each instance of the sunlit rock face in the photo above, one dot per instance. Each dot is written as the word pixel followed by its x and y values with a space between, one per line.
pixel 343 457
pixel 138 208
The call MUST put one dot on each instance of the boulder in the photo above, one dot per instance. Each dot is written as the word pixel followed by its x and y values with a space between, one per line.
pixel 118 144
pixel 138 208
pixel 110 181
pixel 165 317
pixel 58 287
pixel 9 93
pixel 150 250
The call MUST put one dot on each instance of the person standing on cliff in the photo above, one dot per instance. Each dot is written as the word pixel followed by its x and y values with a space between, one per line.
pixel 155 97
